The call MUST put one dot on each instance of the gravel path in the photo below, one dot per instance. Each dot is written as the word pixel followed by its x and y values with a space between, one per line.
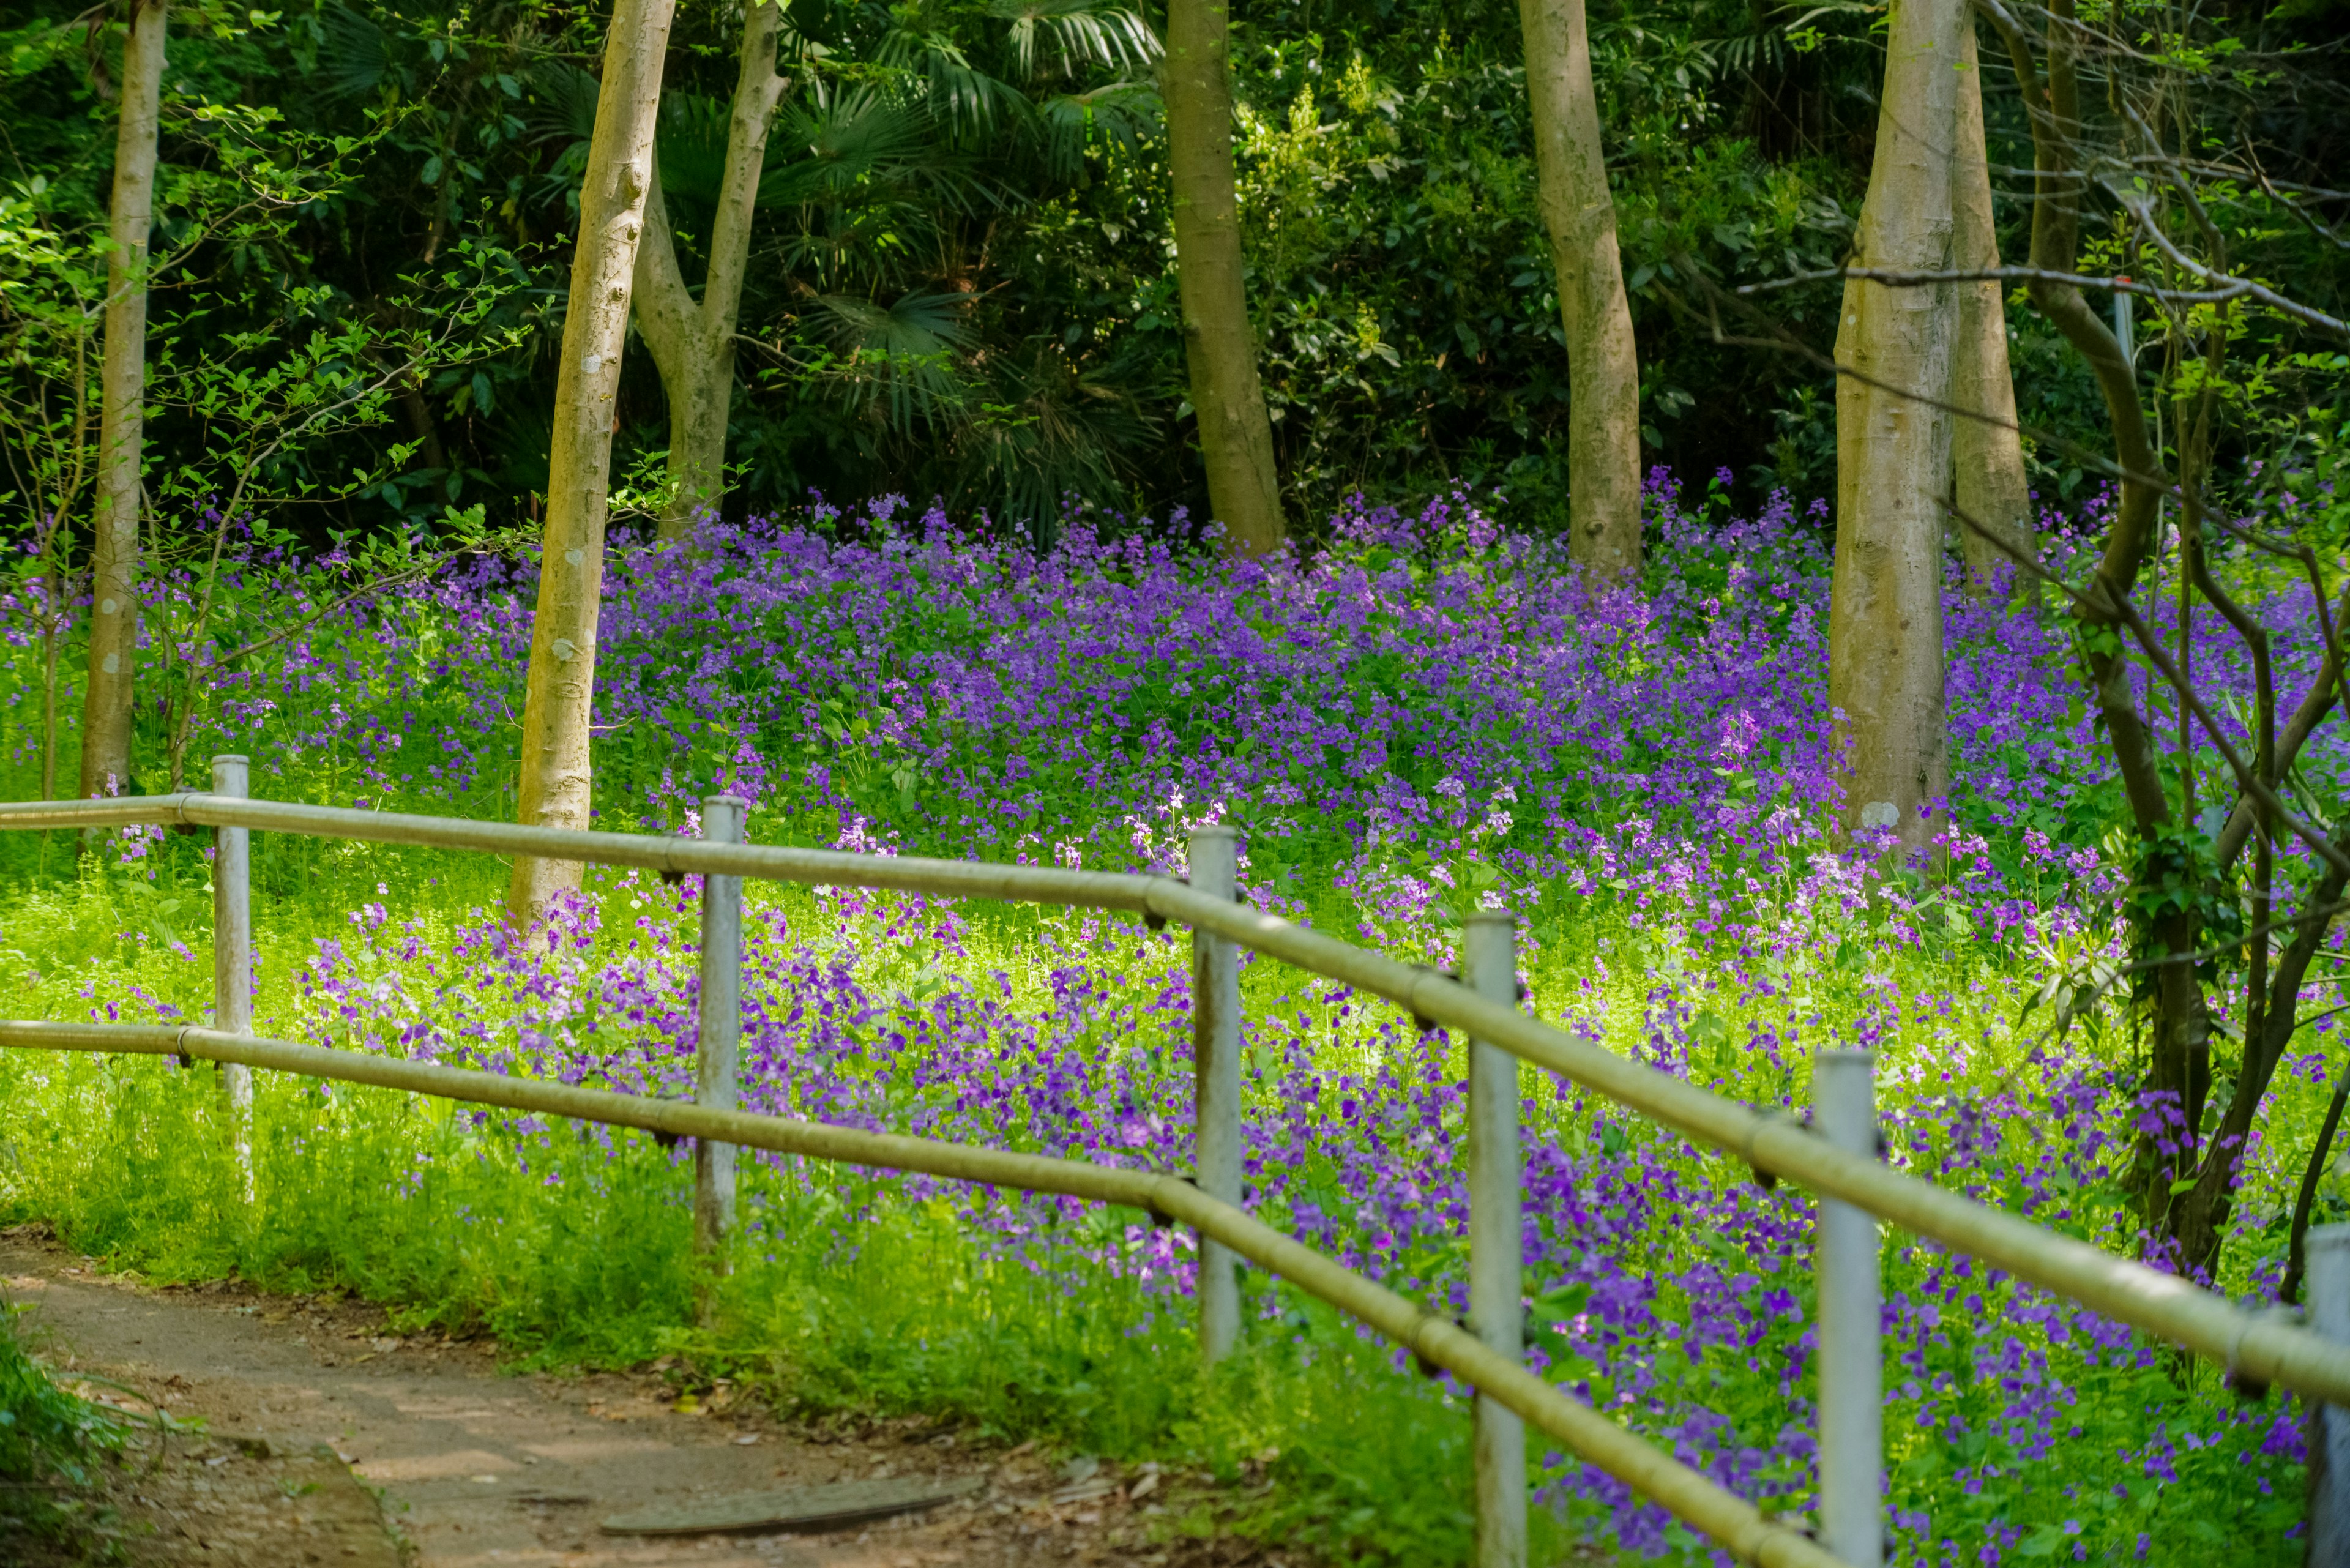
pixel 477 1468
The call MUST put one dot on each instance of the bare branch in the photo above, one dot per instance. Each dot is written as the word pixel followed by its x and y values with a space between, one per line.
pixel 2124 612
pixel 1893 278
pixel 2228 288
pixel 2139 208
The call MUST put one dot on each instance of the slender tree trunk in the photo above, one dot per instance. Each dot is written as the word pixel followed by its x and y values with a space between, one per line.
pixel 555 782
pixel 2178 1066
pixel 1989 483
pixel 1603 371
pixel 1892 453
pixel 122 376
pixel 694 345
pixel 1219 343
pixel 57 578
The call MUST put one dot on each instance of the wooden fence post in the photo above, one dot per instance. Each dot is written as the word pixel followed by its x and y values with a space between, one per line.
pixel 717 1081
pixel 1216 1066
pixel 233 959
pixel 1489 955
pixel 1851 1360
pixel 2326 1249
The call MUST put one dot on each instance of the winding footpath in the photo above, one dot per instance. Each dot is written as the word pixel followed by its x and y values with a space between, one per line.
pixel 476 1469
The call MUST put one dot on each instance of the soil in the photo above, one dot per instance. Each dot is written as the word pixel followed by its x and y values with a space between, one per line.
pixel 288 1432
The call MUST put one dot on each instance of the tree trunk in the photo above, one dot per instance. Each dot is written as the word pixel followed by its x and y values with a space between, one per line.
pixel 1989 484
pixel 2198 1220
pixel 694 345
pixel 1603 442
pixel 122 376
pixel 1219 343
pixel 2178 1066
pixel 1893 451
pixel 555 782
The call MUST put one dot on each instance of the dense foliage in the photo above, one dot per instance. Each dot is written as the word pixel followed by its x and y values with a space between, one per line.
pixel 962 281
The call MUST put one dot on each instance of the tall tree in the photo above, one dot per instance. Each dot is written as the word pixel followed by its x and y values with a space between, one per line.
pixel 1603 370
pixel 122 376
pixel 1218 341
pixel 1893 442
pixel 558 699
pixel 693 344
pixel 1988 484
pixel 2199 1114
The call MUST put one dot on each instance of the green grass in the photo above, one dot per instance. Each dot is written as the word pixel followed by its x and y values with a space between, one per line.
pixel 49 1440
pixel 572 1247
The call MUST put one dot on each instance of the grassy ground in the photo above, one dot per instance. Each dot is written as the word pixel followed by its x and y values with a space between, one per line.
pixel 1036 1318
pixel 1426 718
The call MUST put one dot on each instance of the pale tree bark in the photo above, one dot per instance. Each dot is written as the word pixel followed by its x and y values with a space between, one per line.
pixel 1987 484
pixel 554 784
pixel 1603 370
pixel 122 377
pixel 1893 451
pixel 1219 343
pixel 694 345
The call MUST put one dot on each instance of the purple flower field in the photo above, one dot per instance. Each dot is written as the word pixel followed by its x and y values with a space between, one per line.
pixel 1428 716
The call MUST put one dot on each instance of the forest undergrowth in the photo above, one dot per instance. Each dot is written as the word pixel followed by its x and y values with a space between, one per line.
pixel 1430 716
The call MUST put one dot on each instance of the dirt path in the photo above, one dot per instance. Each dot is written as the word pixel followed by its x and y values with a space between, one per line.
pixel 478 1469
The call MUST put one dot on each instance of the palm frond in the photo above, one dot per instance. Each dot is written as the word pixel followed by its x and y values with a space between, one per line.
pixel 963 100
pixel 917 324
pixel 562 103
pixel 1120 115
pixel 897 359
pixel 354 55
pixel 1072 35
pixel 691 141
pixel 826 152
pixel 1050 430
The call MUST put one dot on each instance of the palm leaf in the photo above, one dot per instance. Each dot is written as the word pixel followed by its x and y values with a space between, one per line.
pixel 353 53
pixel 691 143
pixel 835 147
pixel 1120 115
pixel 562 103
pixel 898 355
pixel 958 96
pixel 916 325
pixel 1077 33
pixel 1052 432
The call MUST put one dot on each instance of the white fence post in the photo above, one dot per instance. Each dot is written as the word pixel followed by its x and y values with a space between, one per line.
pixel 2327 1289
pixel 718 1036
pixel 232 959
pixel 1496 1242
pixel 1851 1361
pixel 1216 1078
